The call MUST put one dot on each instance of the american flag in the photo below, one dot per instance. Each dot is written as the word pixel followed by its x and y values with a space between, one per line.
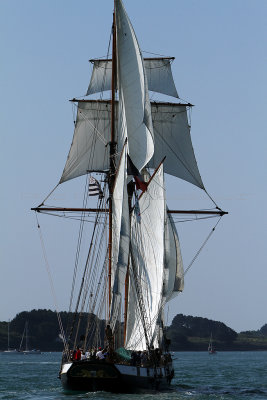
pixel 94 187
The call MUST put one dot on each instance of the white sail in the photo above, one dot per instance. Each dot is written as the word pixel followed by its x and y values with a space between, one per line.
pixel 101 77
pixel 147 244
pixel 133 91
pixel 173 141
pixel 159 76
pixel 174 271
pixel 121 236
pixel 89 150
pixel 158 73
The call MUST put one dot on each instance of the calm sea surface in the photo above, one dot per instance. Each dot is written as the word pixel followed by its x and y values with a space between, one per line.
pixel 198 376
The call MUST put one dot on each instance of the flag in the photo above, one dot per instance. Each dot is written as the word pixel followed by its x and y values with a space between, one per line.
pixel 132 170
pixel 94 187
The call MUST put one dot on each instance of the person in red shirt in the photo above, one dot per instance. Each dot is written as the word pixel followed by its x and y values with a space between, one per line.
pixel 77 355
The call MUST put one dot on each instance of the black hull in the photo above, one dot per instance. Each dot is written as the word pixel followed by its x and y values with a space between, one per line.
pixel 93 376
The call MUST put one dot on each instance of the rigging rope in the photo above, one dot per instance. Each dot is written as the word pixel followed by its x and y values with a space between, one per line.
pixel 52 285
pixel 48 195
pixel 87 282
pixel 86 189
pixel 84 289
pixel 201 248
pixel 94 234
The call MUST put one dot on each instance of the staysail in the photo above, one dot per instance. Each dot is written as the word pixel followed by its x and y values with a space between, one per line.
pixel 173 264
pixel 121 236
pixel 133 91
pixel 147 242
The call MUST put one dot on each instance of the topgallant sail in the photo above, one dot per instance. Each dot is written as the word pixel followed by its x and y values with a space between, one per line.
pixel 116 340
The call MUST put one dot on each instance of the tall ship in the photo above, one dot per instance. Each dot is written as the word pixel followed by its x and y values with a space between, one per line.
pixel 124 144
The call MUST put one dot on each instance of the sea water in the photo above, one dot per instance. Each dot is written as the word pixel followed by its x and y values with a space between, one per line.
pixel 198 376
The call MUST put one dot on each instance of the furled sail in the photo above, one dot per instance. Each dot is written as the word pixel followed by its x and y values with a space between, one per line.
pixel 133 91
pixel 147 244
pixel 158 73
pixel 173 271
pixel 171 139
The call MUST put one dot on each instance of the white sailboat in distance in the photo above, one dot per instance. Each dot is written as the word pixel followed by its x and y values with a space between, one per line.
pixel 9 350
pixel 25 339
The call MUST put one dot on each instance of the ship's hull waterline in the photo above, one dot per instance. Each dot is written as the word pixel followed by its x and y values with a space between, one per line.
pixel 93 376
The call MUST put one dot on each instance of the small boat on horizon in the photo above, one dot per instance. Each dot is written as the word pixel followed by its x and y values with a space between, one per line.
pixel 211 348
pixel 9 350
pixel 26 351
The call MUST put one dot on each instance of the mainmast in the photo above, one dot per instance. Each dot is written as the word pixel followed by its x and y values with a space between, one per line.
pixel 112 150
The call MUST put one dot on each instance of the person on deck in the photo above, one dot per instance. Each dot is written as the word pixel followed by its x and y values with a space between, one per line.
pixel 77 354
pixel 100 354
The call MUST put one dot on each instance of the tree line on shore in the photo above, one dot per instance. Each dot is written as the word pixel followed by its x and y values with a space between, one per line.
pixel 186 333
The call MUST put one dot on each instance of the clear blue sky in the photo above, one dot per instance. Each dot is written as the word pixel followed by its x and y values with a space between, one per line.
pixel 220 66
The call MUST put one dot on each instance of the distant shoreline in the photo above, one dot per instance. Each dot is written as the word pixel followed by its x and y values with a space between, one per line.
pixel 185 334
